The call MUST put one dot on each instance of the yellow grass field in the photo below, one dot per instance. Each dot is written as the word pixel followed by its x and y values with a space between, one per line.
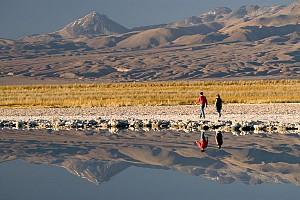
pixel 153 93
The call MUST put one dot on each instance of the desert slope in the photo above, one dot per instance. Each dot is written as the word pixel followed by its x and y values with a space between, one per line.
pixel 250 42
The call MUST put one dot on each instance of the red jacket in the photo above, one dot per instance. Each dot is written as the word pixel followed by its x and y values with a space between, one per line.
pixel 202 144
pixel 202 100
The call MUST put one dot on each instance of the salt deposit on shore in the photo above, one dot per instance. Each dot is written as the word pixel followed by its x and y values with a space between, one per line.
pixel 283 113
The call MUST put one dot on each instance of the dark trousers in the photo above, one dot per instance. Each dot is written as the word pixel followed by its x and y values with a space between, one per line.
pixel 219 109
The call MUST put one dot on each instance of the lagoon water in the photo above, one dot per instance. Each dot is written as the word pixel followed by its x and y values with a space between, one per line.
pixel 153 165
pixel 21 180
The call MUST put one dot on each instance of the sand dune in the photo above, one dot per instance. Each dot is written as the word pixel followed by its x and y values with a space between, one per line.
pixel 161 36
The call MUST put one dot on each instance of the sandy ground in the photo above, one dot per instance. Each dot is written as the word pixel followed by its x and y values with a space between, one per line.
pixel 285 113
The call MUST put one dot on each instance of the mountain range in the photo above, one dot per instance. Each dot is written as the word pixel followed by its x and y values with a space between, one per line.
pixel 250 42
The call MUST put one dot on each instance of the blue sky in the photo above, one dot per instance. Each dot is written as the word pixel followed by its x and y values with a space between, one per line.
pixel 24 17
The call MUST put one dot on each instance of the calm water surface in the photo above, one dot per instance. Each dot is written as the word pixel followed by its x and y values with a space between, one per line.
pixel 154 165
pixel 21 180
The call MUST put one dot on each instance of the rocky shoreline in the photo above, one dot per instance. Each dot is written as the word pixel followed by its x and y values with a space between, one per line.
pixel 237 118
pixel 114 126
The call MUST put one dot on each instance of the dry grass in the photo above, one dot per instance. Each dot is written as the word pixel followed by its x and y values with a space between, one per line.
pixel 157 93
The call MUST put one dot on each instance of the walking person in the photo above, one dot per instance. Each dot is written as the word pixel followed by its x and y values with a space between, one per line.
pixel 219 103
pixel 219 139
pixel 203 142
pixel 203 104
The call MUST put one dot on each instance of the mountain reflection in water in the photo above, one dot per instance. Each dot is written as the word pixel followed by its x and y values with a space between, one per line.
pixel 252 159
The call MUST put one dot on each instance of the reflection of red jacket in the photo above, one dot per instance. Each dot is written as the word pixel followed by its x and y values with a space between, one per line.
pixel 202 100
pixel 202 144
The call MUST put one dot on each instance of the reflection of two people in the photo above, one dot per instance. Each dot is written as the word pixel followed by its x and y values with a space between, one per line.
pixel 202 143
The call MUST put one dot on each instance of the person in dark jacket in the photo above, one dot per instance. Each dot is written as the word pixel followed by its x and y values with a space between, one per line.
pixel 219 103
pixel 219 139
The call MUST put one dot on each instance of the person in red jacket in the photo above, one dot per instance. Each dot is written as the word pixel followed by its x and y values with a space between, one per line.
pixel 203 104
pixel 203 142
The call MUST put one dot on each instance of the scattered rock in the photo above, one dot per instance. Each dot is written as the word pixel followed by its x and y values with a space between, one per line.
pixel 113 125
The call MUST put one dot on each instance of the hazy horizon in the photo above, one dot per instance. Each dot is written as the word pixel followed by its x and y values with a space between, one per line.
pixel 19 18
